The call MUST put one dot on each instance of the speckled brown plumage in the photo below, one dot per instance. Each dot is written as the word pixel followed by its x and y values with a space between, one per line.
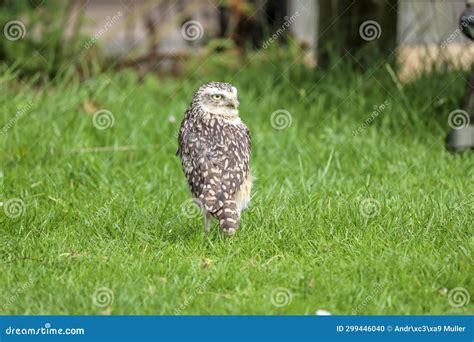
pixel 215 148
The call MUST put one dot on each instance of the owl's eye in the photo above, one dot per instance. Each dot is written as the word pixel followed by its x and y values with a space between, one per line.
pixel 217 97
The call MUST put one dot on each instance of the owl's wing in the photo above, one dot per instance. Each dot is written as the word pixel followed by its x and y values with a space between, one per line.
pixel 223 166
pixel 184 125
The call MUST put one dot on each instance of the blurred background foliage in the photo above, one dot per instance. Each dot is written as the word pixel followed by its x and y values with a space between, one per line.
pixel 47 47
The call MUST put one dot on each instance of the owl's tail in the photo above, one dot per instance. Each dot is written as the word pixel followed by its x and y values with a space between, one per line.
pixel 228 217
pixel 225 211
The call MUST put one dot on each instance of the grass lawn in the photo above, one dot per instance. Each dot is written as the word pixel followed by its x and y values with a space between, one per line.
pixel 357 206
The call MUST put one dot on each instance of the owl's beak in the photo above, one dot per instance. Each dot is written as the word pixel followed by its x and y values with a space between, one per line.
pixel 235 103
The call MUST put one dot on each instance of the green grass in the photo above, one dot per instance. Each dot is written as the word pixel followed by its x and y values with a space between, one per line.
pixel 114 219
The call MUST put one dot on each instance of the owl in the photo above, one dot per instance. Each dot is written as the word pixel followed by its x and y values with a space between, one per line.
pixel 214 146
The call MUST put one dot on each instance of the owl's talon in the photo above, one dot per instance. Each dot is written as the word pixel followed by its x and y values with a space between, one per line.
pixel 229 231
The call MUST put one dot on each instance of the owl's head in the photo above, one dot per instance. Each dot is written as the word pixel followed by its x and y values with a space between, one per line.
pixel 218 99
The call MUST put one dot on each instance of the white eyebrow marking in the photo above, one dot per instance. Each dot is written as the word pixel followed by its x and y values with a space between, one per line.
pixel 225 93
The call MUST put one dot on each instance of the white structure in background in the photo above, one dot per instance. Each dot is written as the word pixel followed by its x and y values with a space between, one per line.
pixel 429 34
pixel 305 28
pixel 429 22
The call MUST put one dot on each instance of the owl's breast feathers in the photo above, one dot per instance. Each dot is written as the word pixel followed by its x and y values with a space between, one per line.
pixel 215 155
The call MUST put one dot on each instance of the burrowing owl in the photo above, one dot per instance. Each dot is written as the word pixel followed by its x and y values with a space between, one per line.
pixel 214 147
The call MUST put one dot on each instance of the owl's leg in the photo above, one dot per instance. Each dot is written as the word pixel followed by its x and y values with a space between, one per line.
pixel 207 221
